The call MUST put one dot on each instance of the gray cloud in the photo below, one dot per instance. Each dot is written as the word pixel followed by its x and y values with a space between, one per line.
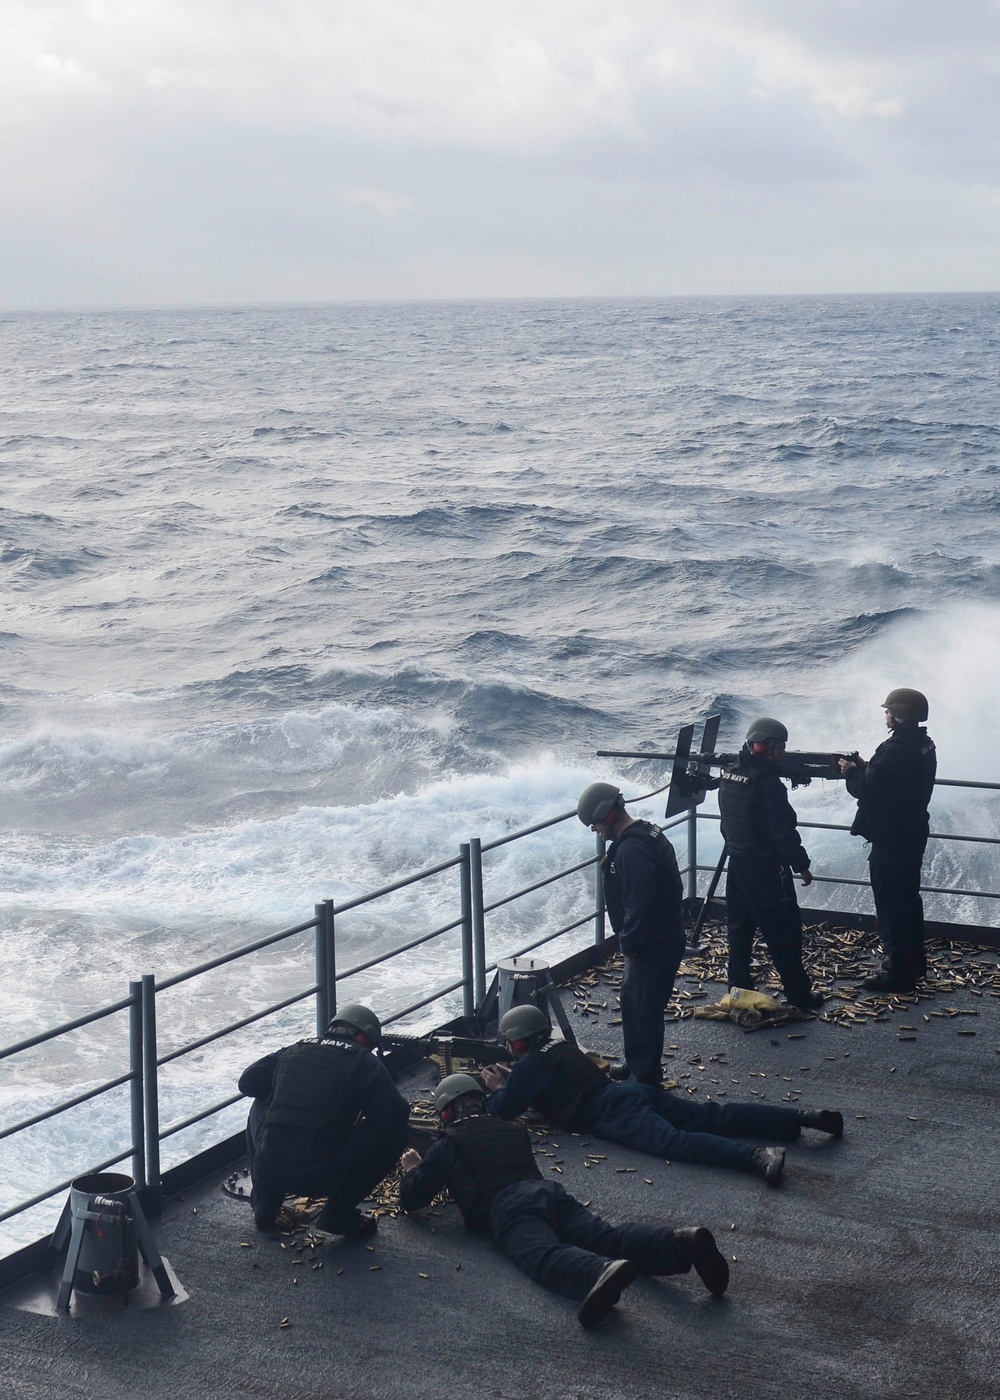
pixel 209 149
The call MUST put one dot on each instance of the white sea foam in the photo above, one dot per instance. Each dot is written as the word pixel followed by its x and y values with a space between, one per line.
pixel 299 617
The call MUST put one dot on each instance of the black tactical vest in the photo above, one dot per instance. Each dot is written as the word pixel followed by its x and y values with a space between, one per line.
pixel 489 1154
pixel 669 886
pixel 318 1086
pixel 576 1079
pixel 744 823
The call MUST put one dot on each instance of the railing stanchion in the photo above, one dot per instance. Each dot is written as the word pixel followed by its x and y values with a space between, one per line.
pixel 468 987
pixel 600 932
pixel 478 919
pixel 150 1093
pixel 326 967
pixel 692 865
pixel 137 1119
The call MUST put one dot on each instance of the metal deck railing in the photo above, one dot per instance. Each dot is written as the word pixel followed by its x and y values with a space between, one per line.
pixel 145 1062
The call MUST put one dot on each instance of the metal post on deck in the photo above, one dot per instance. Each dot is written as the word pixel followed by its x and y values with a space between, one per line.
pixel 326 967
pixel 692 865
pixel 136 1114
pixel 478 919
pixel 468 989
pixel 150 1093
pixel 599 928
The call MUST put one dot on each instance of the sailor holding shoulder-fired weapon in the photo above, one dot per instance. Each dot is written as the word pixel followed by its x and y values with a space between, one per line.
pixel 759 827
pixel 893 790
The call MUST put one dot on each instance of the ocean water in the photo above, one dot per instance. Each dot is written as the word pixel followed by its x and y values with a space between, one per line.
pixel 298 598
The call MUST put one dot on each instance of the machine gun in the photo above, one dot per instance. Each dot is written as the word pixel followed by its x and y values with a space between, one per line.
pixel 449 1052
pixel 691 777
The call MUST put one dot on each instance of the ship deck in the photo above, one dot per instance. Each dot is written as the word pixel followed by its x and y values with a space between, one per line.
pixel 873 1269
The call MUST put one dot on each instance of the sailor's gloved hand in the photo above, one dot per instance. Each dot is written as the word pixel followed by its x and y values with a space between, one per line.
pixel 806 877
pixel 410 1160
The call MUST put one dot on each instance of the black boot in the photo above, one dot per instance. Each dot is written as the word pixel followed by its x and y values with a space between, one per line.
pixel 606 1291
pixel 769 1162
pixel 806 1001
pixel 827 1120
pixel 888 982
pixel 354 1226
pixel 696 1246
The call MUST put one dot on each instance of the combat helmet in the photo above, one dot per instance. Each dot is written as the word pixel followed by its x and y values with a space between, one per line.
pixel 597 802
pixel 358 1018
pixel 527 1023
pixel 766 730
pixel 906 704
pixel 455 1086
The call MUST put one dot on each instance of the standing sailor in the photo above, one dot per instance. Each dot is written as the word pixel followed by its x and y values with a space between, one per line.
pixel 326 1120
pixel 893 790
pixel 644 897
pixel 759 827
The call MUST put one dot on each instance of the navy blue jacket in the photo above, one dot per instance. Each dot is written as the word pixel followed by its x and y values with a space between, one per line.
pixel 643 890
pixel 894 790
pixel 528 1079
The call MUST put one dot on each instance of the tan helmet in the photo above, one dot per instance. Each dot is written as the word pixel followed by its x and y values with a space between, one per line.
pixel 906 704
pixel 527 1022
pixel 455 1086
pixel 597 801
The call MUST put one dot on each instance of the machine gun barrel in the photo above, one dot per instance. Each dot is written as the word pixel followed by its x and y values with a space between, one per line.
pixel 819 765
pixel 416 1047
pixel 800 767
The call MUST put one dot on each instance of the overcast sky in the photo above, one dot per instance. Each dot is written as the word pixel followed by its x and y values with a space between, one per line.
pixel 259 150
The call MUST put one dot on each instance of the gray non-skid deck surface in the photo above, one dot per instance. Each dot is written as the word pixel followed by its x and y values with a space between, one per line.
pixel 873 1271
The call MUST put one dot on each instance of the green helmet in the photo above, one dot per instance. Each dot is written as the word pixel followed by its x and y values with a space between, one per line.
pixel 456 1086
pixel 596 802
pixel 766 729
pixel 358 1018
pixel 525 1023
pixel 906 704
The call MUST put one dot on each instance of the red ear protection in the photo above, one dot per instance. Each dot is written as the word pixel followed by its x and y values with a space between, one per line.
pixel 519 1046
pixel 445 1114
pixel 362 1039
pixel 759 747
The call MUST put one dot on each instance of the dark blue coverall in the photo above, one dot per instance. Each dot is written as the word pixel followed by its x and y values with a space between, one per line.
pixel 343 1161
pixel 893 792
pixel 644 898
pixel 650 1119
pixel 544 1230
pixel 758 823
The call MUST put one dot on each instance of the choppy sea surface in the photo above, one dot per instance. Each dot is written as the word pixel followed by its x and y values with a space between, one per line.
pixel 295 599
